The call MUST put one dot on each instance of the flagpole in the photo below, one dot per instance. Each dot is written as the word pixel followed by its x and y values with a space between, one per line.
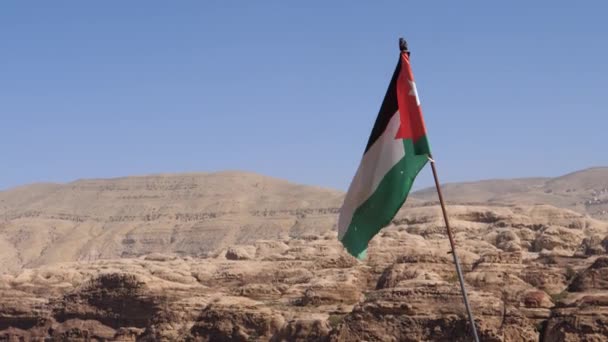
pixel 453 245
pixel 404 49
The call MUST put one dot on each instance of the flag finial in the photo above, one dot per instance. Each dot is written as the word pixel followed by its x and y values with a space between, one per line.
pixel 403 46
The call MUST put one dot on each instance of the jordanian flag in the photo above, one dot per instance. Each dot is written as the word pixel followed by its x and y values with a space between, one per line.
pixel 396 151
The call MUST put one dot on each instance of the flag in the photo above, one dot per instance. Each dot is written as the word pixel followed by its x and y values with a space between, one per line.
pixel 396 151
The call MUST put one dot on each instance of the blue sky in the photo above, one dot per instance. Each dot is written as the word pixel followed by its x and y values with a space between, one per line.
pixel 291 89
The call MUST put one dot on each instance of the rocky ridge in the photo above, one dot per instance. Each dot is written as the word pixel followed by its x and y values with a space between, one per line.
pixel 533 273
pixel 585 191
pixel 188 215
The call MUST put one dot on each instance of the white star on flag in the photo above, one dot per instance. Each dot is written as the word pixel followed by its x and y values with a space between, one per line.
pixel 414 91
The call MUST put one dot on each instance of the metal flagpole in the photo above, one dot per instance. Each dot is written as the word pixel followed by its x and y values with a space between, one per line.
pixel 404 49
pixel 453 245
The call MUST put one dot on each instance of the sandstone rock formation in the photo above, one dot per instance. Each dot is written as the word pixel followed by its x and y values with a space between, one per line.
pixel 528 275
pixel 232 256
pixel 188 215
pixel 585 191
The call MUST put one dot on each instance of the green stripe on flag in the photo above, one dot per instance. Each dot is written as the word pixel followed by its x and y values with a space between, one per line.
pixel 422 147
pixel 380 208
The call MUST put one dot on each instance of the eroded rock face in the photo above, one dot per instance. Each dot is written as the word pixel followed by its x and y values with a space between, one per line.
pixel 188 215
pixel 581 312
pixel 414 313
pixel 236 319
pixel 309 289
pixel 593 278
pixel 240 253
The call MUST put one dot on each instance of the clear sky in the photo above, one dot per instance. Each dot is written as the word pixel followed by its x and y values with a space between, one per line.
pixel 291 88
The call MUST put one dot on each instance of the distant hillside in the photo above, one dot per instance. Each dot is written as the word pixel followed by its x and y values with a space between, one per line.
pixel 195 214
pixel 188 214
pixel 585 191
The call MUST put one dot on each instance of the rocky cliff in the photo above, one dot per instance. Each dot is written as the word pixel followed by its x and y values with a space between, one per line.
pixel 533 273
pixel 187 214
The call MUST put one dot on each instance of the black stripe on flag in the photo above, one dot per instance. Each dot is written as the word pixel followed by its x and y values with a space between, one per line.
pixel 388 108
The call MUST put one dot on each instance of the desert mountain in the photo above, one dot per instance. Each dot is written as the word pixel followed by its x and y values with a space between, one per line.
pixel 187 214
pixel 534 273
pixel 241 257
pixel 585 191
pixel 198 213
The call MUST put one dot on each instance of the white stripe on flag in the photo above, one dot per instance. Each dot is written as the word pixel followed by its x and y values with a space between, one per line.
pixel 375 164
